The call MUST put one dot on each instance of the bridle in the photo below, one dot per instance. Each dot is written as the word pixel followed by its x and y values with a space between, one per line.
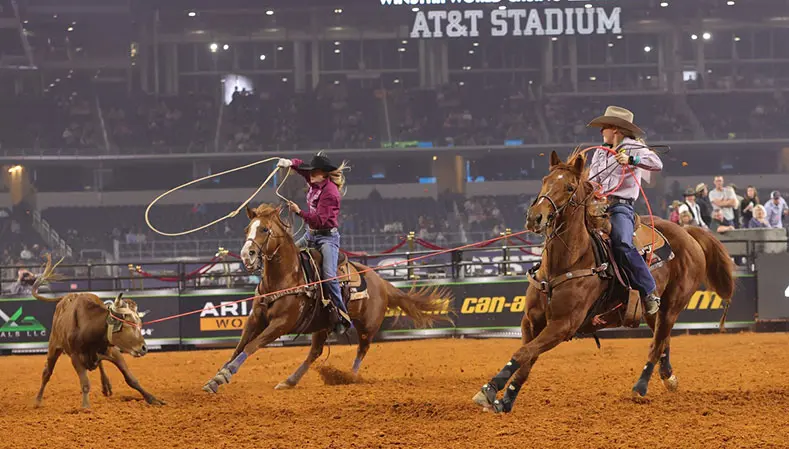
pixel 262 250
pixel 558 210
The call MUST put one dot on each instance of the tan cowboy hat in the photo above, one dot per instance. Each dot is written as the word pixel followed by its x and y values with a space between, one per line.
pixel 619 117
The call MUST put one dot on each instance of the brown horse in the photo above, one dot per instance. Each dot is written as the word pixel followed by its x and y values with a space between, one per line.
pixel 299 311
pixel 565 213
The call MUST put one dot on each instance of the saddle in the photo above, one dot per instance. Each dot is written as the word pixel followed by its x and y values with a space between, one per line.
pixel 619 305
pixel 353 284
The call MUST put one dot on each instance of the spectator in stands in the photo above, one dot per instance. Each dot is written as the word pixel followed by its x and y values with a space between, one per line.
pixel 720 223
pixel 723 198
pixel 694 208
pixel 747 204
pixel 26 255
pixel 758 218
pixel 737 216
pixel 702 198
pixel 776 209
pixel 686 218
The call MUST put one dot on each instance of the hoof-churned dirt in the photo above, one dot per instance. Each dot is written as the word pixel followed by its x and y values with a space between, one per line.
pixel 733 392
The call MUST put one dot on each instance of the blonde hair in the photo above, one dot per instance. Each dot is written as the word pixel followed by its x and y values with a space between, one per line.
pixel 338 176
pixel 761 208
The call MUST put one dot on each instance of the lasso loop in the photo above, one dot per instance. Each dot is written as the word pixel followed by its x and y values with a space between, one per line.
pixel 229 215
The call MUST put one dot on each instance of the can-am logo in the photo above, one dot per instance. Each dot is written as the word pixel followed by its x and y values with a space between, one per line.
pixel 225 316
pixel 16 325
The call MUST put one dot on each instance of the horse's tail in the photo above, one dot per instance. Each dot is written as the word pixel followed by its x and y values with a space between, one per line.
pixel 45 278
pixel 425 306
pixel 720 267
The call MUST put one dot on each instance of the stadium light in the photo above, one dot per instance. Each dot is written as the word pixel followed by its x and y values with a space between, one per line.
pixel 502 7
pixel 284 79
pixel 15 169
pixel 401 49
pixel 336 51
pixel 404 42
pixel 476 44
pixel 226 47
pixel 414 9
pixel 736 38
pixel 396 81
pixel 706 36
pixel 213 47
pixel 730 3
pixel 461 83
pixel 336 82
pixel 435 158
pixel 70 29
pixel 588 6
pixel 338 11
pixel 694 37
pixel 554 38
pixel 336 42
pixel 471 52
pixel 592 78
pixel 619 36
pixel 192 14
pixel 663 4
pixel 269 12
pixel 610 44
pixel 280 48
pixel 262 57
pixel 647 49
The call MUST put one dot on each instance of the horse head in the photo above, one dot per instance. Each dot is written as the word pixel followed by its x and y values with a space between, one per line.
pixel 559 190
pixel 264 236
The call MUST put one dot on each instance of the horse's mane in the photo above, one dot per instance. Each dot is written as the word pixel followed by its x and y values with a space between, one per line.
pixel 595 208
pixel 272 212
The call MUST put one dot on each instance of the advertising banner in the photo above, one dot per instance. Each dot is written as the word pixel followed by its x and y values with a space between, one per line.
pixel 490 306
pixel 773 272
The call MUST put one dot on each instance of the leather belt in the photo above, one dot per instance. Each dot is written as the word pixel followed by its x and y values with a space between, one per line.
pixel 618 200
pixel 323 232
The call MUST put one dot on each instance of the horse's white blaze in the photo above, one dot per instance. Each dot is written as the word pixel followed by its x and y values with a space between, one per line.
pixel 253 231
pixel 539 201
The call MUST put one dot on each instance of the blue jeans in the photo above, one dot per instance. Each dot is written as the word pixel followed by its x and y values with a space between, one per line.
pixel 622 223
pixel 329 246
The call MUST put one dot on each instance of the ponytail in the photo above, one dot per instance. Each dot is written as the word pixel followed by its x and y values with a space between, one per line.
pixel 338 177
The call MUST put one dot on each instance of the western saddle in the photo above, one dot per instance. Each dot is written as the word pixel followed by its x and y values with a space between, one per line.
pixel 352 283
pixel 619 305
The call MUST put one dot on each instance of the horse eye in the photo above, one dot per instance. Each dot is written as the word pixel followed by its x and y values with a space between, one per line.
pixel 570 188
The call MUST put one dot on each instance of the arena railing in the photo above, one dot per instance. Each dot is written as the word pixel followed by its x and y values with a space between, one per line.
pixel 227 272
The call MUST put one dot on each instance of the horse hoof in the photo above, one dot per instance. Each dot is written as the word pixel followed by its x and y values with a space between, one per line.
pixel 481 399
pixel 223 376
pixel 672 383
pixel 284 386
pixel 211 387
pixel 640 389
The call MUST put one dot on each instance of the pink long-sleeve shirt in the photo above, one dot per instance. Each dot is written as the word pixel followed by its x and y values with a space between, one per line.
pixel 606 171
pixel 323 200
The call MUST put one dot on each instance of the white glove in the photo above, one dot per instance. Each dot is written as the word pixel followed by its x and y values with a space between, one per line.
pixel 284 163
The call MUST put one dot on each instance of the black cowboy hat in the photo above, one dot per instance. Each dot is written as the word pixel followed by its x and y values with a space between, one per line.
pixel 320 162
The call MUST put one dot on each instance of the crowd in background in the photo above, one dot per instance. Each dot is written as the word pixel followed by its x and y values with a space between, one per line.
pixel 723 208
pixel 347 114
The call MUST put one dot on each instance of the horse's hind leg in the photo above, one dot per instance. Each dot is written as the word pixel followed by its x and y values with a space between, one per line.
pixel 667 376
pixel 318 341
pixel 659 351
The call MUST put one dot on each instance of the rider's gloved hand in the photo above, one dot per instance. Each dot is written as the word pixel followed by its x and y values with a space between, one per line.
pixel 284 163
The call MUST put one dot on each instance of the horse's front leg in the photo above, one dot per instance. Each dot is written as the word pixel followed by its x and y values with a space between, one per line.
pixel 316 349
pixel 557 330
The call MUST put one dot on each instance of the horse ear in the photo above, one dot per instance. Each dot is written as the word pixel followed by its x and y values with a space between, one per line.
pixel 555 159
pixel 578 163
pixel 250 212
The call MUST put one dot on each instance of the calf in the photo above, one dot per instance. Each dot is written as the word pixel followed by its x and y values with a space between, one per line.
pixel 89 332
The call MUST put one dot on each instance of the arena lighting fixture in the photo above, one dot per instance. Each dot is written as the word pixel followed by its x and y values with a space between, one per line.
pixel 502 7
pixel 336 81
pixel 403 42
pixel 471 52
pixel 54 16
pixel 476 44
pixel 730 3
pixel 588 6
pixel 461 83
pixel 269 12
pixel 401 49
pixel 336 51
pixel 280 48
pixel 26 22
pixel 706 36
pixel 663 4
pixel 619 36
pixel 736 38
pixel 396 81
pixel 554 38
pixel 694 36
pixel 338 11
pixel 414 9
pixel 647 49
pixel 610 44
pixel 213 47
pixel 262 57
pixel 192 14
pixel 226 47
pixel 336 42
pixel 592 78
pixel 15 169
pixel 70 29
pixel 435 158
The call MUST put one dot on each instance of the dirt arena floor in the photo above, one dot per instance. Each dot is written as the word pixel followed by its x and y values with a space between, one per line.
pixel 734 393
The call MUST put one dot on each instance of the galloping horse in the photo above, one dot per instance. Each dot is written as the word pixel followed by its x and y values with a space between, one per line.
pixel 565 212
pixel 299 310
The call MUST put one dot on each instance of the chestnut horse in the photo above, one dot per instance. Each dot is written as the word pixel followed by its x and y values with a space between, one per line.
pixel 295 311
pixel 565 213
